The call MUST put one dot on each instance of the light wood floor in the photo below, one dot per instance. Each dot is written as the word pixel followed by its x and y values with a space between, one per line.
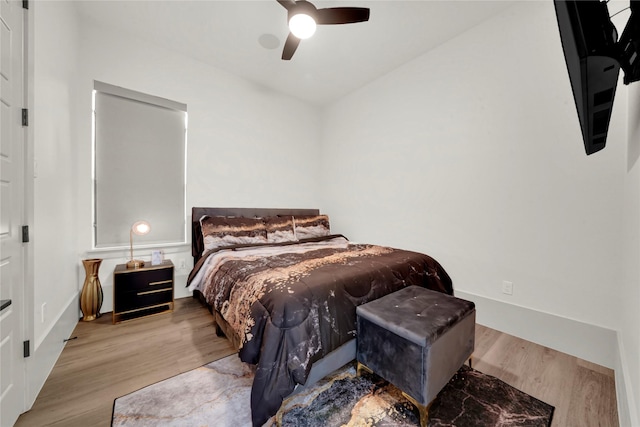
pixel 107 361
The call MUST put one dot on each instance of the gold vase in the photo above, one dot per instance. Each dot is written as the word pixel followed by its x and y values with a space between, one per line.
pixel 91 296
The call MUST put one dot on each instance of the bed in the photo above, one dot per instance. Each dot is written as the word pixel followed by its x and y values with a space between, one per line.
pixel 284 290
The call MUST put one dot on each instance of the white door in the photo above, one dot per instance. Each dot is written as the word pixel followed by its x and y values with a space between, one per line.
pixel 12 170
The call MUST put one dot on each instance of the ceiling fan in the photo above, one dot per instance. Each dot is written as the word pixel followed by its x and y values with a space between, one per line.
pixel 303 17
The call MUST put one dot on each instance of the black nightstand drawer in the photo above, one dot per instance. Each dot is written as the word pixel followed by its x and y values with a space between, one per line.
pixel 135 281
pixel 134 300
pixel 137 291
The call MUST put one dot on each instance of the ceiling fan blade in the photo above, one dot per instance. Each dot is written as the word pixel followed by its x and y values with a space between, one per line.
pixel 287 4
pixel 290 47
pixel 342 15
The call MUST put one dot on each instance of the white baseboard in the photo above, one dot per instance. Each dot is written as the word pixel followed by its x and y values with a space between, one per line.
pixel 588 342
pixel 46 352
pixel 627 408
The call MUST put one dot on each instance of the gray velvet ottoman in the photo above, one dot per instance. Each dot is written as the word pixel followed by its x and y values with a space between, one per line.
pixel 416 339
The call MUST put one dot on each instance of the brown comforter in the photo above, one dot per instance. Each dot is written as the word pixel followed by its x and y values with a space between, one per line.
pixel 293 304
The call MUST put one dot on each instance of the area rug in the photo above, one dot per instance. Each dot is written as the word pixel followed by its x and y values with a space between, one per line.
pixel 217 394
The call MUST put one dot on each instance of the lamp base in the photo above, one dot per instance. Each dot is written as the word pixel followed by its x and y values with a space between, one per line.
pixel 135 263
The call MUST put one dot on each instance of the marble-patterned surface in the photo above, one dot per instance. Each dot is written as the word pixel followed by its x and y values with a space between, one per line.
pixel 218 395
pixel 472 398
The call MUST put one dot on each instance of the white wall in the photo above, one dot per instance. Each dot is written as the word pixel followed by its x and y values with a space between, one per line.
pixel 473 153
pixel 54 119
pixel 628 363
pixel 247 146
pixel 53 52
pixel 630 286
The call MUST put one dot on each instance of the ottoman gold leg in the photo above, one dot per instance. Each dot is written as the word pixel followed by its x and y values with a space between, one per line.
pixel 422 409
pixel 361 369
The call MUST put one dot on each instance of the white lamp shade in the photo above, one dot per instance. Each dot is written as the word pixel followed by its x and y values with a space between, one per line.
pixel 302 26
pixel 140 228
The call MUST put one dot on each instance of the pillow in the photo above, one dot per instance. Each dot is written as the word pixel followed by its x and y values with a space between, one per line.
pixel 220 231
pixel 306 226
pixel 279 229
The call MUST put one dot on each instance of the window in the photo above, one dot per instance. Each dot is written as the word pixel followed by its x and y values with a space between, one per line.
pixel 138 167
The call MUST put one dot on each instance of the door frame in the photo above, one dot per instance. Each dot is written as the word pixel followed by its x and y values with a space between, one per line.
pixel 31 390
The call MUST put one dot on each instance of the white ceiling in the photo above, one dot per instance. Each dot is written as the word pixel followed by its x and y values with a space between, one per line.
pixel 337 60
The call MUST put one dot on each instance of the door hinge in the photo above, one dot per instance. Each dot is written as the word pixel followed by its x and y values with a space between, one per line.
pixel 25 347
pixel 25 234
pixel 25 117
pixel 25 4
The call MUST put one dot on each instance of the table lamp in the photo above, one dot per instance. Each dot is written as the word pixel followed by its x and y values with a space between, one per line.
pixel 140 228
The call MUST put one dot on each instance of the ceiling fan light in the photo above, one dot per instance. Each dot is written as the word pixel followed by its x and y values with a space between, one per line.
pixel 302 25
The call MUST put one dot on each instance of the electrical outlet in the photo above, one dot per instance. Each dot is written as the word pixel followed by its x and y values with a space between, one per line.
pixel 182 265
pixel 507 287
pixel 43 312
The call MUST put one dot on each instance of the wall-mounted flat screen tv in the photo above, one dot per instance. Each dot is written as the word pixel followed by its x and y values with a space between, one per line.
pixel 589 44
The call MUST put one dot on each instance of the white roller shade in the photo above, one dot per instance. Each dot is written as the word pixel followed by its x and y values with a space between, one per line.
pixel 139 161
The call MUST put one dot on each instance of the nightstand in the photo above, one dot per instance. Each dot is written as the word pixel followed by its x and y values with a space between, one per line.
pixel 142 291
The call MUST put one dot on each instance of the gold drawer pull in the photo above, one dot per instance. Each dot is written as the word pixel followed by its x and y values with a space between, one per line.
pixel 162 282
pixel 154 292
